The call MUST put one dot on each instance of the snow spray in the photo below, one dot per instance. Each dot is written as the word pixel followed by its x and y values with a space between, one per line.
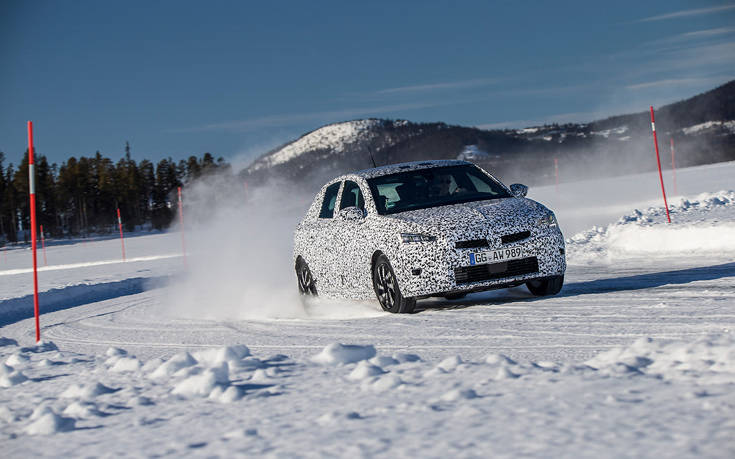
pixel 673 165
pixel 181 222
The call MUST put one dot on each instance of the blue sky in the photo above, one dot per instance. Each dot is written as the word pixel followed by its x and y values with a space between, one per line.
pixel 176 78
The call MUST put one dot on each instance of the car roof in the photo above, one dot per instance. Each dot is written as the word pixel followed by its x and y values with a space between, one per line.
pixel 401 167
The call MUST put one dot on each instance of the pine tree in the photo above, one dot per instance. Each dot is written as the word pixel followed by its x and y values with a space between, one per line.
pixel 10 199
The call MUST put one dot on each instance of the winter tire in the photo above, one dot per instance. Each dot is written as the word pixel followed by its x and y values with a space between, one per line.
pixel 387 290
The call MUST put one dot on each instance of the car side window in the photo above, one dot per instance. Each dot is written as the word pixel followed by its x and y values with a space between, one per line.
pixel 330 199
pixel 352 196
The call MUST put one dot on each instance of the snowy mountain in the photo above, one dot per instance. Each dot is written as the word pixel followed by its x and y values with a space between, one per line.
pixel 334 138
pixel 703 128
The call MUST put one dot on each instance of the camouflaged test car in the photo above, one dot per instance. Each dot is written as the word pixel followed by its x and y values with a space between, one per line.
pixel 415 230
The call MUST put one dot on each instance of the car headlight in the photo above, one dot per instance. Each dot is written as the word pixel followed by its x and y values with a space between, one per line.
pixel 548 220
pixel 408 238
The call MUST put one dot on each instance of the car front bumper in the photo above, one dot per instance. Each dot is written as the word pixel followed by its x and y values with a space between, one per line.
pixel 437 268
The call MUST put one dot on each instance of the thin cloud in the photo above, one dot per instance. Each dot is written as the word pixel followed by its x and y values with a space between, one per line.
pixel 687 13
pixel 296 118
pixel 687 37
pixel 710 59
pixel 668 82
pixel 709 32
pixel 716 58
pixel 440 86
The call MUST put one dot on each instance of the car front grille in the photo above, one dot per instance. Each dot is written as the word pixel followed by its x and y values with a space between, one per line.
pixel 471 244
pixel 479 273
pixel 508 238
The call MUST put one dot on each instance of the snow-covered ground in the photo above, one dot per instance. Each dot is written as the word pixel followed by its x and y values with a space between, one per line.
pixel 635 357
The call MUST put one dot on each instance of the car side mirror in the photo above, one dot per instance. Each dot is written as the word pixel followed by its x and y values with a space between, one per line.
pixel 351 214
pixel 519 190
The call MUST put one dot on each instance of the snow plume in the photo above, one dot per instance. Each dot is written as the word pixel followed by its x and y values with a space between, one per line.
pixel 239 252
pixel 240 264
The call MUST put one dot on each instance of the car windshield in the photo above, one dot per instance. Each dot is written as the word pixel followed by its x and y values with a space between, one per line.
pixel 439 186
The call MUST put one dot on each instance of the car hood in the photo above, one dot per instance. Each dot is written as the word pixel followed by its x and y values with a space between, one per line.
pixel 473 217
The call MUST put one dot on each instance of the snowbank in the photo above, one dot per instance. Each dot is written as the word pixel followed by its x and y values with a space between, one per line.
pixel 701 226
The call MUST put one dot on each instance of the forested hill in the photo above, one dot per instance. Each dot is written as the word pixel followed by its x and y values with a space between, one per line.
pixel 703 128
pixel 81 195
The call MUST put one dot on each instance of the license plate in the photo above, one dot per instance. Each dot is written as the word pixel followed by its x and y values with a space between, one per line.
pixel 495 256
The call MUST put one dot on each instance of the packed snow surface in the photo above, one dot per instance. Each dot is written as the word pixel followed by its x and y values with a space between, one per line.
pixel 635 357
pixel 650 398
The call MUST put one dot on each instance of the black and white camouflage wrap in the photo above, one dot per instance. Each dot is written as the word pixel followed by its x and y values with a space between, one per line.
pixel 340 253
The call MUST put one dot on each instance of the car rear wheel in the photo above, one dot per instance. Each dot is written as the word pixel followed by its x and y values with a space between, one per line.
pixel 387 290
pixel 546 287
pixel 307 284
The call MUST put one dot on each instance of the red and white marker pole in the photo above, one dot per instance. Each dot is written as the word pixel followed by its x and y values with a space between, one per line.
pixel 43 244
pixel 122 240
pixel 658 161
pixel 673 165
pixel 556 173
pixel 32 190
pixel 181 222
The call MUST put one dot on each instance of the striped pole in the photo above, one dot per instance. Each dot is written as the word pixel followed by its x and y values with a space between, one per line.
pixel 556 173
pixel 32 192
pixel 181 221
pixel 658 160
pixel 119 225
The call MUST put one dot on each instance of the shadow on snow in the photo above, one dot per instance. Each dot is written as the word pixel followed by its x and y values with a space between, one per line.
pixel 16 309
pixel 609 285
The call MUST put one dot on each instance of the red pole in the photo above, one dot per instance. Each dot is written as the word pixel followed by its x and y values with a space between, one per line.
pixel 673 165
pixel 181 221
pixel 556 173
pixel 658 160
pixel 43 244
pixel 119 225
pixel 32 189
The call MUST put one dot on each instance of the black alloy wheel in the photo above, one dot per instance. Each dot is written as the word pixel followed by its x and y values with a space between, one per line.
pixel 387 290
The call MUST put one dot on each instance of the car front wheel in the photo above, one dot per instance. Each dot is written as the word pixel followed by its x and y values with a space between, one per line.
pixel 387 290
pixel 546 287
